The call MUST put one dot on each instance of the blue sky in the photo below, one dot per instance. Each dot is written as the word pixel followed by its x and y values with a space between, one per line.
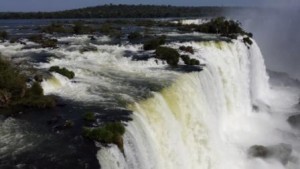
pixel 53 5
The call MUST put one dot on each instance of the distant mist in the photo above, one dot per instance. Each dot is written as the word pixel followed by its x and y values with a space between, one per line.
pixel 277 31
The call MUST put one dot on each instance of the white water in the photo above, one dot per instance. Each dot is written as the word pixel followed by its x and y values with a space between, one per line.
pixel 205 120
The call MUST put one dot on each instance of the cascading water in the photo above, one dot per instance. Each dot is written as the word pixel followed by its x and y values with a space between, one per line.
pixel 205 119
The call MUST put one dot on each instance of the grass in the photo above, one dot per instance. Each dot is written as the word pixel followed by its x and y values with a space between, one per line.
pixel 110 133
pixel 63 71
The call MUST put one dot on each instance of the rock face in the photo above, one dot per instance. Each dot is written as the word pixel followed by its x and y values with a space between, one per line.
pixel 258 151
pixel 282 152
pixel 5 98
pixel 294 121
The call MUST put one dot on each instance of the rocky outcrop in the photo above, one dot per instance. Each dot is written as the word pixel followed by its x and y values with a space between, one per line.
pixel 294 120
pixel 282 152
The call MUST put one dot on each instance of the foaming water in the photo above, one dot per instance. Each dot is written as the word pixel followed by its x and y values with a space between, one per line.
pixel 206 119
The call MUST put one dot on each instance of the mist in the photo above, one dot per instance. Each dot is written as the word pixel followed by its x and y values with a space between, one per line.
pixel 276 30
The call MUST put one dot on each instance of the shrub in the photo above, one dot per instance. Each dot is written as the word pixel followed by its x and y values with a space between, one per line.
pixel 108 29
pixel 44 41
pixel 89 116
pixel 154 43
pixel 111 133
pixel 168 54
pixel 3 35
pixel 35 90
pixel 54 28
pixel 188 49
pixel 222 26
pixel 80 28
pixel 188 61
pixel 135 35
pixel 11 80
pixel 194 62
pixel 63 71
pixel 247 40
pixel 36 102
pixel 15 93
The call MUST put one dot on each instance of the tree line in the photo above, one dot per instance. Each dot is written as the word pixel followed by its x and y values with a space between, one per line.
pixel 122 11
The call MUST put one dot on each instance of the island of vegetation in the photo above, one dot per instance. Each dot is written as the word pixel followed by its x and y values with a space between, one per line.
pixel 16 92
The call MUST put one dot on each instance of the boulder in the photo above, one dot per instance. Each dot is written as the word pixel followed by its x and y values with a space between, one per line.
pixel 281 152
pixel 294 120
pixel 258 151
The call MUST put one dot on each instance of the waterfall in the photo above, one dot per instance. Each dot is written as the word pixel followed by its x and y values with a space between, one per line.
pixel 203 120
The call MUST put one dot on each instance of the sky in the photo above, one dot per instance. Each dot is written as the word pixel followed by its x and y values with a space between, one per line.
pixel 54 5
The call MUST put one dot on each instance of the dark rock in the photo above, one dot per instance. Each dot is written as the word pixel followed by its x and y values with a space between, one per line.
pixel 294 120
pixel 92 38
pixel 282 152
pixel 258 151
pixel 88 49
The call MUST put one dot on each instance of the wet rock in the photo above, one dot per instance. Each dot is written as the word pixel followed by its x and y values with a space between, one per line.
pixel 258 151
pixel 282 152
pixel 294 121
pixel 92 38
pixel 54 120
pixel 68 124
pixel 5 98
pixel 88 49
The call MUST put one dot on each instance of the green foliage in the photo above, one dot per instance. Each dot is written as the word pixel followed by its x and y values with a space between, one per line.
pixel 36 102
pixel 110 133
pixel 121 11
pixel 188 61
pixel 55 28
pixel 187 49
pixel 168 54
pixel 108 29
pixel 13 90
pixel 3 35
pixel 221 26
pixel 194 62
pixel 80 28
pixel 154 43
pixel 89 116
pixel 44 41
pixel 135 35
pixel 63 71
pixel 35 90
pixel 11 80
